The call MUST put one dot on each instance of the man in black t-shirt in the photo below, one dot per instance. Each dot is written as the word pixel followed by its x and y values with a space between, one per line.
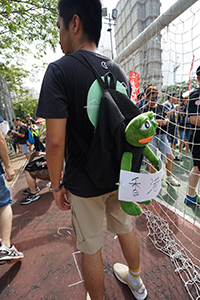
pixel 68 89
pixel 22 135
pixel 194 113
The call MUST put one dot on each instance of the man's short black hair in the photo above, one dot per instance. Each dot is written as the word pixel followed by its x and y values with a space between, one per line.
pixel 171 95
pixel 198 71
pixel 89 12
pixel 146 87
pixel 140 96
pixel 17 119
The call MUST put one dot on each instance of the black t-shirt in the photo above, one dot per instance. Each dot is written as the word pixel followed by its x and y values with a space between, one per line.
pixel 66 88
pixel 161 112
pixel 23 130
pixel 194 109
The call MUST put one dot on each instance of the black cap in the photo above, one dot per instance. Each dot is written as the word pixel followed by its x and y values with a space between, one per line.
pixel 198 71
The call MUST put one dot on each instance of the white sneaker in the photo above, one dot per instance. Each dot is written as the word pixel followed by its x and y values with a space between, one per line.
pixel 121 272
pixel 173 181
pixel 9 255
pixel 88 297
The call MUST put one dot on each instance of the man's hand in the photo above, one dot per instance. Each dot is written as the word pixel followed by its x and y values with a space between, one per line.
pixel 61 199
pixel 9 173
pixel 165 121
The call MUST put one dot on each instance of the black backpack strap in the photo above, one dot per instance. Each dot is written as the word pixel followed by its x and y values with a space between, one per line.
pixel 86 62
pixel 104 84
pixel 112 84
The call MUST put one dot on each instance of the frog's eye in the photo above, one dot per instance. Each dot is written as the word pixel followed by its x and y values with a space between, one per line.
pixel 153 120
pixel 146 125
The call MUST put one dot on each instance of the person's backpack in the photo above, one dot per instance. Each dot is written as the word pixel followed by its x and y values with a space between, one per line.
pixel 36 165
pixel 29 136
pixel 104 154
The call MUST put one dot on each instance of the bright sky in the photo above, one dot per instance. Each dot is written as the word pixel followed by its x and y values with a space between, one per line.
pixel 105 39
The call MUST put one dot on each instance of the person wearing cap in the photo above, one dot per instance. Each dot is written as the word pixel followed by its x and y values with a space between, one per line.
pixel 192 196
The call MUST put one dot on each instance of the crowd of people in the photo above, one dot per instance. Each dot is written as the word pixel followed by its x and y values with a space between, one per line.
pixel 25 136
pixel 60 100
pixel 174 130
pixel 178 120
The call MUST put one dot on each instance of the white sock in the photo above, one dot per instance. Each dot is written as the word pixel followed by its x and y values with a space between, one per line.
pixel 134 277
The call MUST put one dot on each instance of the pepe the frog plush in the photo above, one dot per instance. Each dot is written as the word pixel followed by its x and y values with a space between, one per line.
pixel 138 133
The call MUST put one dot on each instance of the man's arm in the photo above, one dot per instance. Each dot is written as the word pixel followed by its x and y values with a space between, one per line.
pixel 18 134
pixel 195 120
pixel 173 110
pixel 5 158
pixel 55 148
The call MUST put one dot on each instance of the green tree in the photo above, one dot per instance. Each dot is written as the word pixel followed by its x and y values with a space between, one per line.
pixel 26 105
pixel 179 88
pixel 22 23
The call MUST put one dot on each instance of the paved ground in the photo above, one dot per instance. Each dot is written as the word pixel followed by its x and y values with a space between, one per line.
pixel 51 267
pixel 17 162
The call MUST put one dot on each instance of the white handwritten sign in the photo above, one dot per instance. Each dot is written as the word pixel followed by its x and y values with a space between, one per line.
pixel 138 187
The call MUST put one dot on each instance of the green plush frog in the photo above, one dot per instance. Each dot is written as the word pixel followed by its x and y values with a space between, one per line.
pixel 138 133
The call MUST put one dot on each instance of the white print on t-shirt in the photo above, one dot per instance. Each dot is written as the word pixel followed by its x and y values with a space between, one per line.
pixel 125 85
pixel 104 65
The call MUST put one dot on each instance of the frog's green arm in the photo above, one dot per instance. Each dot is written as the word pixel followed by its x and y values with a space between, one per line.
pixel 129 207
pixel 148 153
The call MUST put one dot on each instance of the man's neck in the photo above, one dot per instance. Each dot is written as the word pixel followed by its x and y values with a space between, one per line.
pixel 89 46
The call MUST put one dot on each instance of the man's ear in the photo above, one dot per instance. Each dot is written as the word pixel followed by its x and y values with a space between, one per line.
pixel 76 23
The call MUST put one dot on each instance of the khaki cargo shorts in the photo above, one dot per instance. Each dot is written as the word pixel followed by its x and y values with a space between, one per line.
pixel 87 219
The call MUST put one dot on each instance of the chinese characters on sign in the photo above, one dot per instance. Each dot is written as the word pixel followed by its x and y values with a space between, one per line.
pixel 138 187
pixel 134 80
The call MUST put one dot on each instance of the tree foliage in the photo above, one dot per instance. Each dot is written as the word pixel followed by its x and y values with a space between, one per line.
pixel 25 105
pixel 24 23
pixel 179 88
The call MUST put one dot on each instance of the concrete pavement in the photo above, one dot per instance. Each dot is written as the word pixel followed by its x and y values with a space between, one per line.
pixel 51 268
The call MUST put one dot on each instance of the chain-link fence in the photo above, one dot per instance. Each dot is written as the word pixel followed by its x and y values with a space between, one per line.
pixel 6 106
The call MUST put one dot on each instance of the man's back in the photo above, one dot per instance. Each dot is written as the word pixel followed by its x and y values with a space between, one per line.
pixel 75 87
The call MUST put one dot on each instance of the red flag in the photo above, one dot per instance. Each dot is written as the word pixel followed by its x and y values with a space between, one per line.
pixel 189 83
pixel 134 80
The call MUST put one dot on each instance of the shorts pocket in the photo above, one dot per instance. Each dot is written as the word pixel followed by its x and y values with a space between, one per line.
pixel 76 227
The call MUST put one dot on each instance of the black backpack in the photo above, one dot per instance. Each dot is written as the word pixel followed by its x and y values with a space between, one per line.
pixel 104 154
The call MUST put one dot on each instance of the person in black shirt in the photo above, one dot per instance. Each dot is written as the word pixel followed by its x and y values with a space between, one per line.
pixel 172 109
pixel 184 126
pixel 194 113
pixel 68 88
pixel 160 141
pixel 22 135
